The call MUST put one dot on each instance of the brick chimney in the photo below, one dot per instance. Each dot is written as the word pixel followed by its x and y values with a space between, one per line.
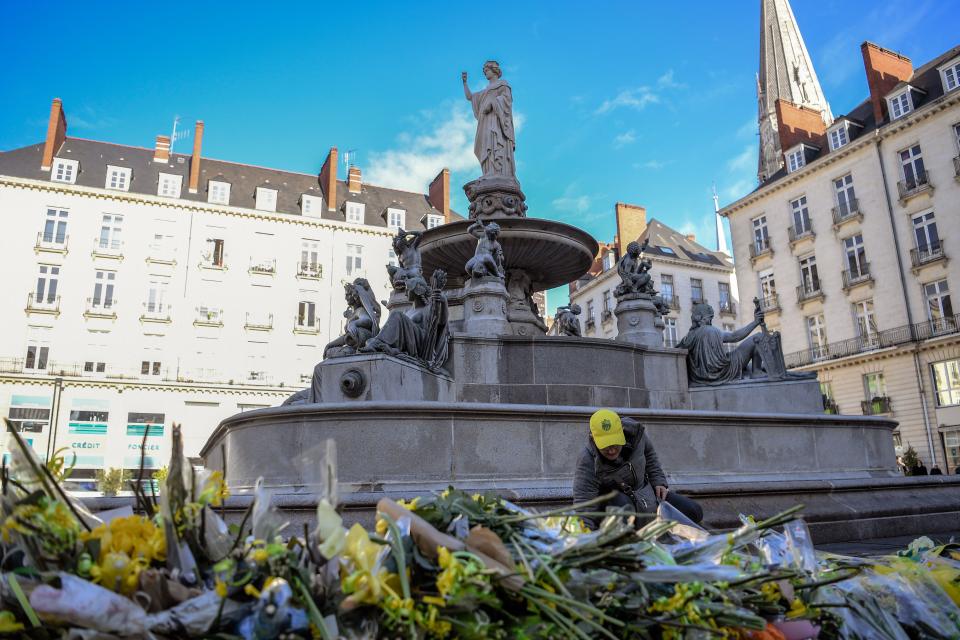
pixel 328 179
pixel 195 158
pixel 439 194
pixel 56 134
pixel 884 69
pixel 631 223
pixel 799 124
pixel 691 237
pixel 354 182
pixel 161 152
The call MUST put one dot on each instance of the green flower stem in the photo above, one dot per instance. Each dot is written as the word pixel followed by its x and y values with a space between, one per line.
pixel 563 511
pixel 22 599
pixel 314 614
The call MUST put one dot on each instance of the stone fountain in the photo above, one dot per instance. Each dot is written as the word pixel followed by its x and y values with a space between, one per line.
pixel 460 385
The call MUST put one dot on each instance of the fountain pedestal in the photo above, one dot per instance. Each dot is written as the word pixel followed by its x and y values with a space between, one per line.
pixel 485 308
pixel 638 320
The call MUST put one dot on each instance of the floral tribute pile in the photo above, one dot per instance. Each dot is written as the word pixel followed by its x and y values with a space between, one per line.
pixel 449 566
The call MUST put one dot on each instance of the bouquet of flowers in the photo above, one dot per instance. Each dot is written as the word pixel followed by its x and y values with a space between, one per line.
pixel 453 565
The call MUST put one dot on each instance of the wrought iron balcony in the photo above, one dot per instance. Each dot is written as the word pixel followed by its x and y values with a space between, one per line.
pixel 809 291
pixel 303 325
pixel 854 277
pixel 258 322
pixel 263 267
pixel 43 304
pixel 106 308
pixel 803 233
pixel 155 312
pixel 108 249
pixel 876 406
pixel 847 211
pixel 697 300
pixel 760 248
pixel 311 271
pixel 606 315
pixel 925 255
pixel 51 243
pixel 770 303
pixel 208 317
pixel 914 186
pixel 728 308
pixel 956 167
pixel 670 301
pixel 670 342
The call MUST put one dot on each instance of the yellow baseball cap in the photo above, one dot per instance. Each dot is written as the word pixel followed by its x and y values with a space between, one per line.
pixel 606 429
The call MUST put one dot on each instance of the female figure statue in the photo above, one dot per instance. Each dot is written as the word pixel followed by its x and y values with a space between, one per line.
pixel 406 245
pixel 495 143
pixel 487 260
pixel 363 320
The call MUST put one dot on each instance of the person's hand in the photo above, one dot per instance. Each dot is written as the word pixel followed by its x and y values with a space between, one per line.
pixel 661 493
pixel 758 316
pixel 463 76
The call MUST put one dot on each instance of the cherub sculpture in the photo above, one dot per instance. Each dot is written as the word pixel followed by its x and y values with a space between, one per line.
pixel 568 324
pixel 487 260
pixel 634 271
pixel 363 320
pixel 406 244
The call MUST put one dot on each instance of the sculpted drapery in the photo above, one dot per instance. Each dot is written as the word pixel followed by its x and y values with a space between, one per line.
pixel 495 143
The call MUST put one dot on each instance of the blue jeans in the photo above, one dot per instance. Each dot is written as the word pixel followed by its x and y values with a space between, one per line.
pixel 687 506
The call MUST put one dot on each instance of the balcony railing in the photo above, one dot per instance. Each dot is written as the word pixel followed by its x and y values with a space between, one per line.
pixel 11 365
pixel 49 242
pixel 956 167
pixel 695 300
pixel 809 291
pixel 758 249
pixel 846 211
pixel 670 301
pixel 876 406
pixel 853 277
pixel 925 255
pixel 309 270
pixel 606 315
pixel 797 234
pixel 670 342
pixel 209 317
pixel 263 267
pixel 156 312
pixel 302 325
pixel 258 322
pixel 830 407
pixel 107 249
pixel 770 303
pixel 919 184
pixel 727 307
pixel 101 308
pixel 887 338
pixel 42 304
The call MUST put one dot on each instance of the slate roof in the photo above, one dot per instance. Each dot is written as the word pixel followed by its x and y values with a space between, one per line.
pixel 926 78
pixel 94 156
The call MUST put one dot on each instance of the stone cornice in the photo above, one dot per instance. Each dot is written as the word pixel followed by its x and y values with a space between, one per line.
pixel 139 385
pixel 185 205
pixel 867 139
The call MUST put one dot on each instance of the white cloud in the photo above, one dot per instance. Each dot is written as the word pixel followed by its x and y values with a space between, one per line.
pixel 625 138
pixel 748 129
pixel 667 82
pixel 739 189
pixel 630 98
pixel 653 165
pixel 448 142
pixel 746 159
pixel 87 117
pixel 573 202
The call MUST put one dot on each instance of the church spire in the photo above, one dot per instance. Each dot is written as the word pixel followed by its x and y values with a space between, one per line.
pixel 786 73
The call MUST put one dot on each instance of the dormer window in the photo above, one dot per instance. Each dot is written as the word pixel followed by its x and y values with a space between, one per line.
pixel 168 185
pixel 117 178
pixel 609 260
pixel 839 136
pixel 796 160
pixel 218 192
pixel 310 205
pixel 266 199
pixel 395 218
pixel 434 221
pixel 900 104
pixel 64 170
pixel 354 212
pixel 951 76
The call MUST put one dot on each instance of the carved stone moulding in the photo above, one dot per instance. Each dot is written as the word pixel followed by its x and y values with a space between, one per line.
pixel 495 197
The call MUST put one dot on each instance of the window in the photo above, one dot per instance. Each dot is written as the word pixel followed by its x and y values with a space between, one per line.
pixel 94 366
pixel 696 290
pixel 434 221
pixel 768 287
pixel 817 335
pixel 309 257
pixel 110 228
pixel 213 254
pixel 118 178
pixel 307 314
pixel 218 192
pixel 900 104
pixel 808 274
pixel 795 160
pixel 956 135
pixel 951 442
pixel 865 321
pixel 801 216
pixel 590 319
pixel 266 199
pixel 156 293
pixel 911 163
pixel 395 218
pixel 392 258
pixel 726 302
pixel 162 246
pixel 103 289
pixel 939 307
pixel 926 234
pixel 951 76
pixel 355 212
pixel 149 368
pixel 169 185
pixel 354 258
pixel 607 301
pixel 310 205
pixel 667 251
pixel 946 381
pixel 670 335
pixel 856 257
pixel 666 288
pixel 838 137
pixel 874 386
pixel 138 423
pixel 761 236
pixel 846 198
pixel 47 280
pixel 55 226
pixel 36 357
pixel 64 170
pixel 609 260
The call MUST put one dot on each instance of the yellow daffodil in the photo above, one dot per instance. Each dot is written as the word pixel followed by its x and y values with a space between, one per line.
pixel 381 528
pixel 435 627
pixel 411 505
pixel 797 609
pixel 135 536
pixel 330 531
pixel 8 623
pixel 213 491
pixel 251 590
pixel 118 572
pixel 220 587
pixel 440 602
pixel 364 579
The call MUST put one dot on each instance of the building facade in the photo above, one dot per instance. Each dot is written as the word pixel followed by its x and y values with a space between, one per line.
pixel 848 246
pixel 147 288
pixel 684 272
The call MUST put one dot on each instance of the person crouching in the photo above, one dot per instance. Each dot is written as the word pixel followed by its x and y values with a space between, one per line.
pixel 620 457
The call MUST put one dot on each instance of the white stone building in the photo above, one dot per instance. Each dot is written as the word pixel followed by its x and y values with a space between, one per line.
pixel 684 272
pixel 848 242
pixel 146 288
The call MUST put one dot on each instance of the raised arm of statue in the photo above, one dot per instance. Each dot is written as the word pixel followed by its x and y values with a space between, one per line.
pixel 741 333
pixel 413 236
pixel 476 229
pixel 466 89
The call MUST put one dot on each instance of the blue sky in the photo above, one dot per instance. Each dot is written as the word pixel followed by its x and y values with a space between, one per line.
pixel 643 102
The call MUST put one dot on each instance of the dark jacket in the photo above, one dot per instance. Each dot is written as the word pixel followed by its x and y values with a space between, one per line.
pixel 595 475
